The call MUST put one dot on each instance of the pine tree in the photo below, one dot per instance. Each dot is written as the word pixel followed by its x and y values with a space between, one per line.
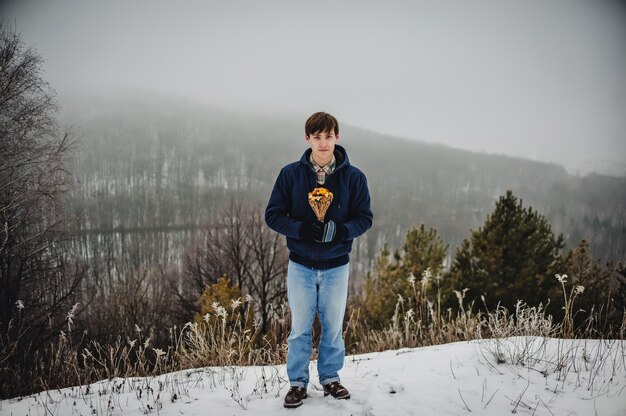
pixel 514 255
pixel 423 249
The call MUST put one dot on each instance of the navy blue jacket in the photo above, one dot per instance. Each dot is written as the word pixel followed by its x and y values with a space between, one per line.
pixel 288 208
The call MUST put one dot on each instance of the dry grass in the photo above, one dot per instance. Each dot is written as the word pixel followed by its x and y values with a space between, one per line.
pixel 230 337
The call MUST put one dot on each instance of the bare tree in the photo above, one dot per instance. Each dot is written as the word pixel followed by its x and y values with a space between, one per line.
pixel 37 281
pixel 237 244
pixel 221 249
pixel 267 273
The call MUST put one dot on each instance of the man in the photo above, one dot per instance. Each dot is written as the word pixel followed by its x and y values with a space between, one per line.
pixel 318 270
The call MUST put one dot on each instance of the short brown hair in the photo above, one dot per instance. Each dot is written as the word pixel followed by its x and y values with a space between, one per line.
pixel 321 122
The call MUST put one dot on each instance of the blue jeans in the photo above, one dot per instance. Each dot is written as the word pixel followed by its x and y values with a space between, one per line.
pixel 324 291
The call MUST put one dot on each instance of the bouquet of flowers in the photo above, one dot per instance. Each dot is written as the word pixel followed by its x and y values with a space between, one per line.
pixel 320 199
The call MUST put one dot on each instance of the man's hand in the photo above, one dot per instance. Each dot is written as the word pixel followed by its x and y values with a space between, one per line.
pixel 323 232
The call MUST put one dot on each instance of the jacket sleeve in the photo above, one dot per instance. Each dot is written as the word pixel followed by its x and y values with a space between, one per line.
pixel 361 212
pixel 277 211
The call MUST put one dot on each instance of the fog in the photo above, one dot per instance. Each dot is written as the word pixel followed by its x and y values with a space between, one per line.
pixel 542 79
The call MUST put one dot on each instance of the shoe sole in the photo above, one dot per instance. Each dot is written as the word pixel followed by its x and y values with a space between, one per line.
pixel 347 396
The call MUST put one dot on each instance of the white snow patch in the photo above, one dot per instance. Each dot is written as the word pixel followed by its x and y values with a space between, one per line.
pixel 538 376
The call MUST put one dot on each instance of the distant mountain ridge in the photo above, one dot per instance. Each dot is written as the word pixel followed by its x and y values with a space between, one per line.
pixel 175 161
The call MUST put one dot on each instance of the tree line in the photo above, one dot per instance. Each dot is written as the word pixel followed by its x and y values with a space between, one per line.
pixel 514 256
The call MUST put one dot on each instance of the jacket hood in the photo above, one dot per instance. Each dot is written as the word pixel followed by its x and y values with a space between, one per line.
pixel 341 157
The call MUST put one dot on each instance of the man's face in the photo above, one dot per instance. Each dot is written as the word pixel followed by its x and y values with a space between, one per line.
pixel 323 146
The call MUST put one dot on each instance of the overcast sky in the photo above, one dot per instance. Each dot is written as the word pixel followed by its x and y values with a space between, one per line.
pixel 543 79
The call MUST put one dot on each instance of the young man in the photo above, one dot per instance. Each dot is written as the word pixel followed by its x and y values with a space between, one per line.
pixel 317 275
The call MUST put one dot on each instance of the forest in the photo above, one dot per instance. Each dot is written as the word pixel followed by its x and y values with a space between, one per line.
pixel 160 166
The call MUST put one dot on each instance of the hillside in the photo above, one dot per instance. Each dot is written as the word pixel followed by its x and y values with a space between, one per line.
pixel 151 163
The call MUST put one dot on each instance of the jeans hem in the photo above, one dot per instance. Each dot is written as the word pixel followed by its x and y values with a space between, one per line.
pixel 329 380
pixel 298 384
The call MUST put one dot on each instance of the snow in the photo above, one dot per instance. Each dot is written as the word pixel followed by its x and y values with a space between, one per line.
pixel 536 376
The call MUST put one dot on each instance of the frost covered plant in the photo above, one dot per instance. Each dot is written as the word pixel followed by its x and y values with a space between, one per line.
pixel 70 318
pixel 71 314
pixel 409 322
pixel 221 311
pixel 426 278
pixel 567 326
pixel 409 314
pixel 159 356
pixel 235 303
pixel 411 279
pixel 431 310
pixel 460 295
pixel 562 278
pixel 397 315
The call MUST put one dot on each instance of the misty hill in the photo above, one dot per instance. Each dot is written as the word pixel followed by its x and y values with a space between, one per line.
pixel 154 162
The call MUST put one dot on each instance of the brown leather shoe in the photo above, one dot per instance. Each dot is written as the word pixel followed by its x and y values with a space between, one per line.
pixel 294 397
pixel 336 390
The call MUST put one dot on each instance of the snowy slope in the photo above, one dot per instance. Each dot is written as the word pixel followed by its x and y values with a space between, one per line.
pixel 535 376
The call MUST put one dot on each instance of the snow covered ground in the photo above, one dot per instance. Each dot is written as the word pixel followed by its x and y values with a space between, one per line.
pixel 523 375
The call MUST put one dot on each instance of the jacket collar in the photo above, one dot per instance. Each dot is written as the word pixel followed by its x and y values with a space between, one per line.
pixel 341 157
